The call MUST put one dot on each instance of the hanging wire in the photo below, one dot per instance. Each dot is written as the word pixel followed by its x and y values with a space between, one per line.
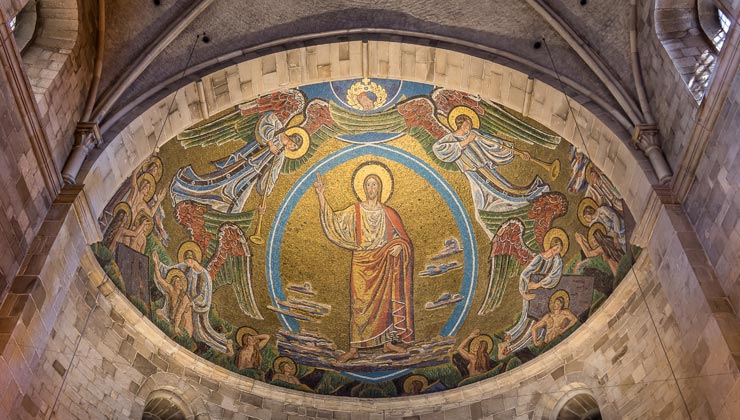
pixel 632 267
pixel 164 124
pixel 87 319
pixel 72 359
pixel 174 96
pixel 75 356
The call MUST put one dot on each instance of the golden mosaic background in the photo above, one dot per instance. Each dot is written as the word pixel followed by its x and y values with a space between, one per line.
pixel 307 254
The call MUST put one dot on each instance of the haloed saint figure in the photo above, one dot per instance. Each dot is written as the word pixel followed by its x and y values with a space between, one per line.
pixel 381 301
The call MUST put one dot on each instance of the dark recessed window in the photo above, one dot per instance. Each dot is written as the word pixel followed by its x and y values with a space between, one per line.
pixel 162 409
pixel 580 407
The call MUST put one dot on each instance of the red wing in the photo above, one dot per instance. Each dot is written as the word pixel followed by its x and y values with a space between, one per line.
pixel 191 215
pixel 545 209
pixel 284 104
pixel 419 112
pixel 317 114
pixel 231 243
pixel 447 99
pixel 509 240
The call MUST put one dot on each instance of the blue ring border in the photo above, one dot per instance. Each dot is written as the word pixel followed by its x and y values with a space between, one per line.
pixel 462 219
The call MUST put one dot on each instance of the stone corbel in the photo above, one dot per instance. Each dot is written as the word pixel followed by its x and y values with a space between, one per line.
pixel 645 137
pixel 87 136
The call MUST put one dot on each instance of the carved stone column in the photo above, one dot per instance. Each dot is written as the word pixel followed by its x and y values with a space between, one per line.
pixel 645 137
pixel 87 136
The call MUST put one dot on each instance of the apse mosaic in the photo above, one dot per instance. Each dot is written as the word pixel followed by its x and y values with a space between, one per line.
pixel 367 238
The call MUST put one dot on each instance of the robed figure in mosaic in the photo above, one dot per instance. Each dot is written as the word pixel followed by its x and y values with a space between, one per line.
pixel 381 289
pixel 257 166
pixel 478 156
pixel 199 291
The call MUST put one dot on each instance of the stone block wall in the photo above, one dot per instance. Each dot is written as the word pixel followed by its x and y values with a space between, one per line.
pixel 659 348
pixel 36 137
pixel 26 195
pixel 677 24
pixel 103 359
pixel 59 64
pixel 627 167
pixel 671 102
pixel 698 326
pixel 31 307
pixel 12 7
pixel 656 349
pixel 713 203
pixel 663 346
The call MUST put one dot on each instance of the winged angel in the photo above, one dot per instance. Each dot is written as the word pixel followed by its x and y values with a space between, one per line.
pixel 283 130
pixel 276 131
pixel 453 128
pixel 280 133
pixel 462 133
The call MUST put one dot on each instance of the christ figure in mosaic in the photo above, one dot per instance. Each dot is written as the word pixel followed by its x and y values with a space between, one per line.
pixel 381 289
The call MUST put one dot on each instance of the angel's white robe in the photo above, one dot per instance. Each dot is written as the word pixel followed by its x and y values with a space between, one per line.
pixel 478 161
pixel 200 290
pixel 551 268
pixel 228 188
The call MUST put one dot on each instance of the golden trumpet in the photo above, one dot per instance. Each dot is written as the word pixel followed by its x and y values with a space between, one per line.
pixel 553 168
pixel 257 238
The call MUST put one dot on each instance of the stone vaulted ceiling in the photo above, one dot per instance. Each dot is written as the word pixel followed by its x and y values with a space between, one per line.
pixel 441 298
pixel 510 26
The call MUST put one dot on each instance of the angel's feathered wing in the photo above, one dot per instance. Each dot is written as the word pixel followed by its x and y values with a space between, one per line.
pixel 416 116
pixel 222 236
pixel 319 123
pixel 231 125
pixel 420 116
pixel 284 104
pixel 509 255
pixel 325 120
pixel 502 123
pixel 231 265
pixel 239 122
pixel 494 220
pixel 546 208
pixel 519 235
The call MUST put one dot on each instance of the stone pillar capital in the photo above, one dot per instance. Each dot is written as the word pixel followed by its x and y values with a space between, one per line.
pixel 87 136
pixel 645 137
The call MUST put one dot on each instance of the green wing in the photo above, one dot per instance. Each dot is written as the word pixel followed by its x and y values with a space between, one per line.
pixel 327 120
pixel 321 135
pixel 231 265
pixel 426 140
pixel 228 126
pixel 503 123
pixel 348 122
pixel 214 220
pixel 510 253
pixel 504 269
pixel 493 222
